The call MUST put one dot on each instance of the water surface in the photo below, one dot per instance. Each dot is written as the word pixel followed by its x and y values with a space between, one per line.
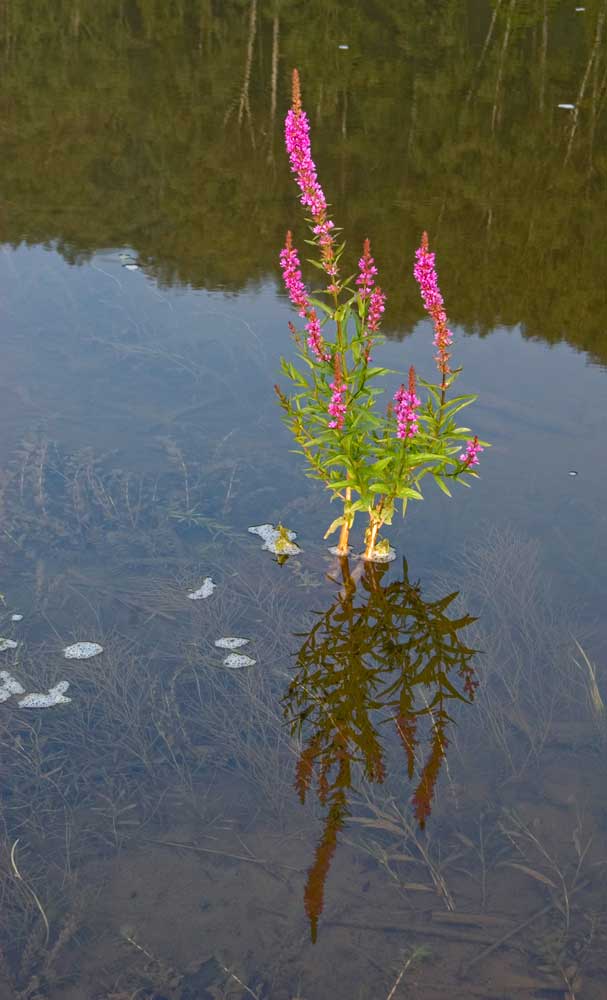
pixel 183 831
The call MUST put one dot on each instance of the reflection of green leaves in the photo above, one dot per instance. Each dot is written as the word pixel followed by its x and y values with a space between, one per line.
pixel 368 657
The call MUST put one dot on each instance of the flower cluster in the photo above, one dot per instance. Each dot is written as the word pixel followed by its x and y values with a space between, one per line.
pixel 377 305
pixel 469 457
pixel 315 341
pixel 367 272
pixel 291 273
pixel 337 407
pixel 406 405
pixel 299 149
pixel 427 279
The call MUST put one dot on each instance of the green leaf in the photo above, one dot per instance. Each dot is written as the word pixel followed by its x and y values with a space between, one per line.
pixel 442 485
pixel 337 523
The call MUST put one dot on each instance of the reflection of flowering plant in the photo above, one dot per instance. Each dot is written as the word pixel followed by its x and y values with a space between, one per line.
pixel 368 461
pixel 381 655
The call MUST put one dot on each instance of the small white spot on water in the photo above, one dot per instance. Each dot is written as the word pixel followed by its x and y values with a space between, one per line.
pixel 205 590
pixel 82 650
pixel 9 686
pixel 235 661
pixel 55 696
pixel 231 642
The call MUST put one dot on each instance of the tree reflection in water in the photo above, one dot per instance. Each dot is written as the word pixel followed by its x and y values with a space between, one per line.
pixel 383 659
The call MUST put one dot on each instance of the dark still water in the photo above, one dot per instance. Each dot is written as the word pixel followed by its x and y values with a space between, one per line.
pixel 403 795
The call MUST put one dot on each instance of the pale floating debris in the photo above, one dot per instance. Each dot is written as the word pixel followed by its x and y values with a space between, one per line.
pixel 7 644
pixel 9 686
pixel 82 650
pixel 278 540
pixel 205 590
pixel 234 661
pixel 231 642
pixel 128 261
pixel 567 107
pixel 381 556
pixel 16 618
pixel 55 696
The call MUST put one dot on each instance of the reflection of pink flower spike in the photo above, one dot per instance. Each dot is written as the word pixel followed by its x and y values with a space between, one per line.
pixel 367 272
pixel 406 405
pixel 291 273
pixel 337 407
pixel 427 279
pixel 299 149
pixel 315 341
pixel 469 457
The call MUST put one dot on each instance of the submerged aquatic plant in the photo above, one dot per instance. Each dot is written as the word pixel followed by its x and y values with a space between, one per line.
pixel 368 461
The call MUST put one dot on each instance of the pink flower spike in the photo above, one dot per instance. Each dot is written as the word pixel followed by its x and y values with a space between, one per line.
pixel 427 279
pixel 367 272
pixel 377 305
pixel 337 407
pixel 315 341
pixel 291 273
pixel 406 405
pixel 299 150
pixel 469 457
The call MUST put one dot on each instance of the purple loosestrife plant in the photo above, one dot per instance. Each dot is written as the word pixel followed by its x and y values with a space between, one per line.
pixel 369 462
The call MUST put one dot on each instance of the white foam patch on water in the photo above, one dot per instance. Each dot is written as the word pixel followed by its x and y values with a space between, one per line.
pixel 7 644
pixel 9 686
pixel 54 697
pixel 235 661
pixel 281 543
pixel 381 557
pixel 231 642
pixel 205 590
pixel 336 551
pixel 82 650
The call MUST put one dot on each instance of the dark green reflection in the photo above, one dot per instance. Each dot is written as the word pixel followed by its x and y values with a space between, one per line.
pixel 381 661
pixel 158 126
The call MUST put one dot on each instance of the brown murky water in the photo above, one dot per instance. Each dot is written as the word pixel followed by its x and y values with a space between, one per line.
pixel 405 795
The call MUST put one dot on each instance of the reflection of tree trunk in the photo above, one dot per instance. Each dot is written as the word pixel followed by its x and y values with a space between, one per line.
pixel 344 135
pixel 7 26
pixel 344 116
pixel 273 85
pixel 593 114
pixel 413 119
pixel 204 23
pixel 319 104
pixel 244 106
pixel 481 58
pixel 495 117
pixel 600 24
pixel 543 57
pixel 75 20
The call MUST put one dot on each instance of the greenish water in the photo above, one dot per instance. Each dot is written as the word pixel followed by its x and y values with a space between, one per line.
pixel 183 831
